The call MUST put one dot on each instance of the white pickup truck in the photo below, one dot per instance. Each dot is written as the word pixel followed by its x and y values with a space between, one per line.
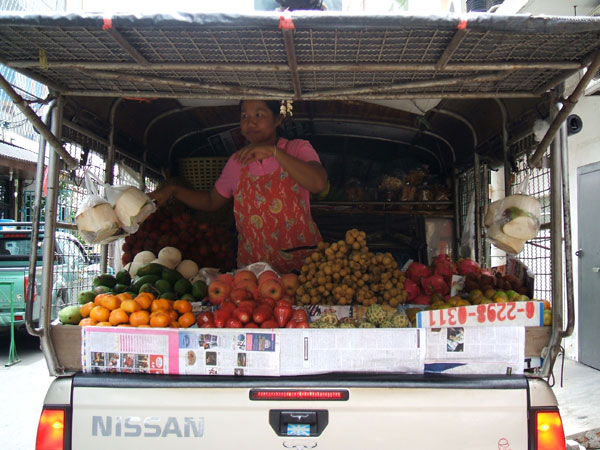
pixel 459 94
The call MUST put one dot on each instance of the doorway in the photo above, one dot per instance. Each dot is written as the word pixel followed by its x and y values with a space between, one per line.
pixel 588 186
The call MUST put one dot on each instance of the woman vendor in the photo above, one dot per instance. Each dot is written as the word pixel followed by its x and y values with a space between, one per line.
pixel 270 180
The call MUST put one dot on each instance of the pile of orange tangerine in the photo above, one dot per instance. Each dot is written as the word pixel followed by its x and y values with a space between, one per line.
pixel 145 310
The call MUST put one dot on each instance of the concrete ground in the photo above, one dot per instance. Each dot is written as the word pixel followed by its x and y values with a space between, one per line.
pixel 24 385
pixel 578 398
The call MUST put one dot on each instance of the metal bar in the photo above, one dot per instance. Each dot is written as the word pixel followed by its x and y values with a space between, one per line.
pixel 390 96
pixel 457 39
pixel 109 171
pixel 555 81
pixel 35 76
pixel 290 49
pixel 564 152
pixel 234 90
pixel 38 124
pixel 556 240
pixel 477 209
pixel 273 67
pixel 568 106
pixel 35 224
pixel 49 232
pixel 130 49
pixel 410 85
pixel 505 148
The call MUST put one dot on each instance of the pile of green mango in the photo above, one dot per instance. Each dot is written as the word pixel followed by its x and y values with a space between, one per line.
pixel 152 277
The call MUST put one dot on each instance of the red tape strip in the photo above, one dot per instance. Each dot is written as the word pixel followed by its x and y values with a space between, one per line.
pixel 107 23
pixel 286 23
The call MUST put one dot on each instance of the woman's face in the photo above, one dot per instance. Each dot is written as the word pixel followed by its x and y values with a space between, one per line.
pixel 258 124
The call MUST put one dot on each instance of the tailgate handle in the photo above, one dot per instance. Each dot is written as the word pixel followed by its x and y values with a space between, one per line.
pixel 298 422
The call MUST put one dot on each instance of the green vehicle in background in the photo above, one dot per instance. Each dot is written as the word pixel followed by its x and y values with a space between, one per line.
pixel 73 268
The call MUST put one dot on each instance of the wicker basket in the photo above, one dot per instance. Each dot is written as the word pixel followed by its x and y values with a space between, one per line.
pixel 201 173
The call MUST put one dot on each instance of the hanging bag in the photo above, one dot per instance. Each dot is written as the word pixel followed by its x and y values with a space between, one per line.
pixel 96 219
pixel 515 219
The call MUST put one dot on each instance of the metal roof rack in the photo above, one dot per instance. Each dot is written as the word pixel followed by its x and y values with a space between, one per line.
pixel 324 56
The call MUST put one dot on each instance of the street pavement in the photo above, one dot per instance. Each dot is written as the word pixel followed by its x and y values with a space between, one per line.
pixel 24 385
pixel 22 390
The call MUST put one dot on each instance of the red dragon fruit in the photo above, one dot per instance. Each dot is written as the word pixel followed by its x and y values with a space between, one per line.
pixel 434 284
pixel 467 265
pixel 416 271
pixel 444 267
pixel 422 300
pixel 412 288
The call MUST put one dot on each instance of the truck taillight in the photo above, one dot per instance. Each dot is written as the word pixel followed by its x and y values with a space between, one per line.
pixel 302 394
pixel 51 430
pixel 550 434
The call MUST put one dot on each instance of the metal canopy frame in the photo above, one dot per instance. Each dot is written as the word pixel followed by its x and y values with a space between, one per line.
pixel 325 56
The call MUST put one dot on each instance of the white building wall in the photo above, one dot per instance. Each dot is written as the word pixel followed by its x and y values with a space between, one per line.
pixel 584 149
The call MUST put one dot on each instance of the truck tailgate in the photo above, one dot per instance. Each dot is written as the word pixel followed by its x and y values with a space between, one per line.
pixel 380 412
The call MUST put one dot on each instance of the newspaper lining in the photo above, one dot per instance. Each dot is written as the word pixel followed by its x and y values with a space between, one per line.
pixel 275 352
pixel 476 350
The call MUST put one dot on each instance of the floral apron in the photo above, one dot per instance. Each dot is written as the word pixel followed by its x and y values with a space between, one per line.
pixel 273 221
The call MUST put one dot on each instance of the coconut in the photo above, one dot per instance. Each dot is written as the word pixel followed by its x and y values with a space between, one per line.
pixel 98 223
pixel 504 242
pixel 518 215
pixel 187 268
pixel 132 207
pixel 171 255
pixel 144 257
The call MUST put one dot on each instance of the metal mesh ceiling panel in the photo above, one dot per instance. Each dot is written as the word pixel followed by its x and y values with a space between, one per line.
pixel 326 56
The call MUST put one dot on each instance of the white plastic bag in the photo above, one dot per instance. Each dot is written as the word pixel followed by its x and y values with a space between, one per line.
pixel 515 219
pixel 96 220
pixel 131 205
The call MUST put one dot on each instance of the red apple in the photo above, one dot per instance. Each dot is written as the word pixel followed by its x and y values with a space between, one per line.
pixel 241 275
pixel 250 286
pixel 239 295
pixel 227 306
pixel 251 325
pixel 225 277
pixel 303 324
pixel 271 288
pixel 218 292
pixel 267 275
pixel 268 301
pixel 290 283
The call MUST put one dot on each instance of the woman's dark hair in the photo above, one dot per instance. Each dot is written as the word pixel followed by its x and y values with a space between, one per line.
pixel 273 105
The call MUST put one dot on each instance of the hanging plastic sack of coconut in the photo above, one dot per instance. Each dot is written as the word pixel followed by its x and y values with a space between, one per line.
pixel 515 219
pixel 96 219
pixel 131 205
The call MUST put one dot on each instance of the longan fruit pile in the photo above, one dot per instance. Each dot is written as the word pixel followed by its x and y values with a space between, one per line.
pixel 346 272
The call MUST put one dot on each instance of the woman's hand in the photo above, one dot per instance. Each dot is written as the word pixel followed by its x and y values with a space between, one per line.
pixel 163 194
pixel 255 152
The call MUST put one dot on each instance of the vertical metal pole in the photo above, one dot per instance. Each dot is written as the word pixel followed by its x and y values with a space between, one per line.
pixel 556 240
pixel 143 171
pixel 457 218
pixel 12 352
pixel 109 172
pixel 46 305
pixel 477 224
pixel 567 233
pixel 35 226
